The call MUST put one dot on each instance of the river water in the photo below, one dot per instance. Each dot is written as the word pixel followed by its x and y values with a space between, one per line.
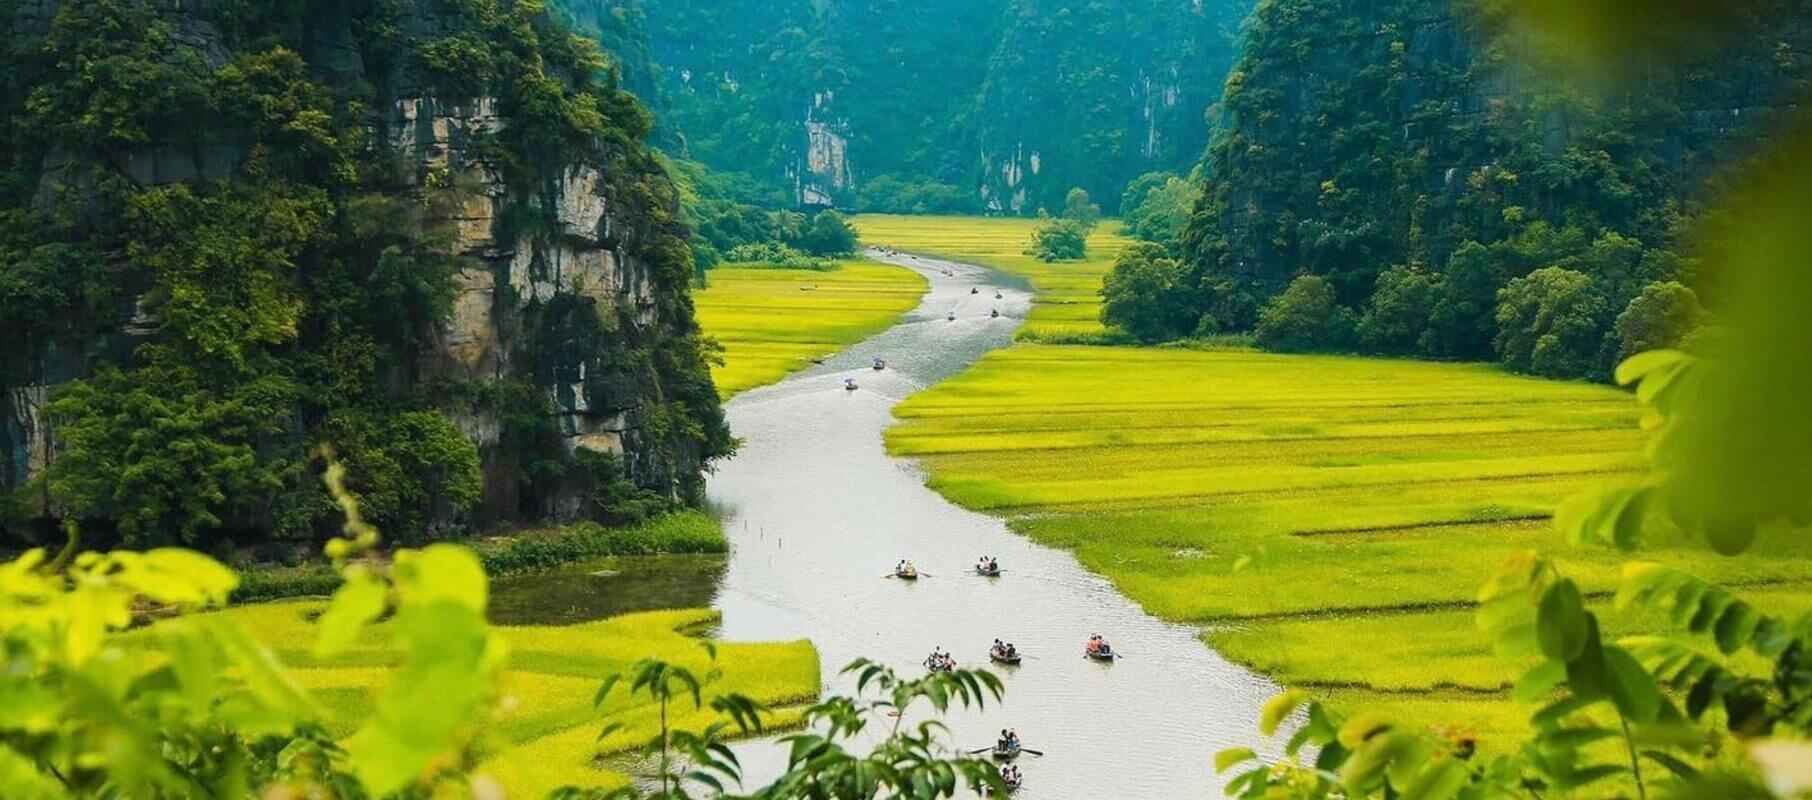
pixel 817 513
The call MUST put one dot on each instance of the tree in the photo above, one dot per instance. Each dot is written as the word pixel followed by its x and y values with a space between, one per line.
pixel 1549 323
pixel 1462 318
pixel 1398 317
pixel 1303 318
pixel 1162 212
pixel 828 235
pixel 1059 240
pixel 1144 296
pixel 1077 207
pixel 1658 318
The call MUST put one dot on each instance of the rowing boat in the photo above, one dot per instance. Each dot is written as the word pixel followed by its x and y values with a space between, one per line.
pixel 990 571
pixel 1005 753
pixel 1003 657
pixel 1104 654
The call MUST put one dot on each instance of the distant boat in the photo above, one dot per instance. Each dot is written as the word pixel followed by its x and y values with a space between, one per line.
pixel 849 384
pixel 973 290
pixel 880 365
pixel 994 313
pixel 951 316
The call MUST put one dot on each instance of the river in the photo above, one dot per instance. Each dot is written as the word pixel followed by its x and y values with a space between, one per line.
pixel 818 513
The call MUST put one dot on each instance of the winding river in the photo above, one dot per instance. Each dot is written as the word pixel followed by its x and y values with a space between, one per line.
pixel 817 513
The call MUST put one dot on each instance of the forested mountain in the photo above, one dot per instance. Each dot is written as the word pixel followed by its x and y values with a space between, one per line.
pixel 426 233
pixel 938 105
pixel 1420 158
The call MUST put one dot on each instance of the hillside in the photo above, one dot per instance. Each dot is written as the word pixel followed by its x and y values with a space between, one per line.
pixel 428 235
pixel 943 106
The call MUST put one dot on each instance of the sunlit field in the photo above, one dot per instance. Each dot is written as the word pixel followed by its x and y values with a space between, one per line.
pixel 774 321
pixel 547 735
pixel 1328 520
pixel 1067 298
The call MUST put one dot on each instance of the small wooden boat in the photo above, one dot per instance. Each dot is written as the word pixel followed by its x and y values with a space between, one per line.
pixel 994 313
pixel 907 574
pixel 1104 654
pixel 1012 781
pixel 936 665
pixel 997 295
pixel 1005 753
pixel 849 385
pixel 973 290
pixel 990 571
pixel 880 365
pixel 950 316
pixel 1000 656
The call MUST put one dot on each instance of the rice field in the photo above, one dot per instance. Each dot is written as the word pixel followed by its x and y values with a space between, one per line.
pixel 548 735
pixel 1326 520
pixel 773 321
pixel 1067 301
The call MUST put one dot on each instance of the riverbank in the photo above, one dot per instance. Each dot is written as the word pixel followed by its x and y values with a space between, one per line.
pixel 546 733
pixel 1327 520
pixel 1066 304
pixel 682 532
pixel 772 322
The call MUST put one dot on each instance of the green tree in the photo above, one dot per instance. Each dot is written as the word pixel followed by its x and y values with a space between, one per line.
pixel 1162 212
pixel 1658 318
pixel 1059 240
pixel 828 235
pixel 1398 317
pixel 1079 209
pixel 1304 317
pixel 1144 295
pixel 1549 323
pixel 1462 319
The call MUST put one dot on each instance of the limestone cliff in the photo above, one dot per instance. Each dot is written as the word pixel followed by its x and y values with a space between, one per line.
pixel 543 277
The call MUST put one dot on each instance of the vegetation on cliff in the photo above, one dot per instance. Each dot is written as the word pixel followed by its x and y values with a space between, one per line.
pixel 217 250
pixel 1462 191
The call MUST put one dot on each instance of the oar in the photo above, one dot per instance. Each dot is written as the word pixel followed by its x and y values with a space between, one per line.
pixel 1025 749
pixel 980 751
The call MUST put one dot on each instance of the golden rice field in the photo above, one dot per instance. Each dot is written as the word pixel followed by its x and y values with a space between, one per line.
pixel 547 736
pixel 773 321
pixel 1067 300
pixel 1327 520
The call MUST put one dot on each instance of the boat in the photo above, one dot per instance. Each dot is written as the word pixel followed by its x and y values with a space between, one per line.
pixel 950 316
pixel 936 664
pixel 880 365
pixel 994 313
pixel 997 295
pixel 990 571
pixel 1007 753
pixel 849 384
pixel 1011 778
pixel 1106 653
pixel 973 290
pixel 907 574
pixel 1000 656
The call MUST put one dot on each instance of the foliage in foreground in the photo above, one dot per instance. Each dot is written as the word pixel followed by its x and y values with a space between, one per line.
pixel 196 707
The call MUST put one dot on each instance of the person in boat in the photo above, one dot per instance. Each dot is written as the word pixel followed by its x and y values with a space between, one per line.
pixel 1094 643
pixel 1012 652
pixel 993 564
pixel 973 290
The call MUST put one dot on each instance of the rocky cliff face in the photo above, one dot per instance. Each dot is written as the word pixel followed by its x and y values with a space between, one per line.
pixel 567 328
pixel 1371 133
pixel 1014 101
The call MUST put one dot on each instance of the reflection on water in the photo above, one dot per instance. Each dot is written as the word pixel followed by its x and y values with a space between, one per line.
pixel 817 513
pixel 604 587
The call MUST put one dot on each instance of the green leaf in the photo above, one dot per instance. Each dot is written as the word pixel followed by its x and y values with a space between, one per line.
pixel 1231 757
pixel 355 604
pixel 442 572
pixel 1630 686
pixel 1561 623
pixel 1441 780
pixel 1540 681
pixel 1278 708
pixel 1642 365
pixel 1373 757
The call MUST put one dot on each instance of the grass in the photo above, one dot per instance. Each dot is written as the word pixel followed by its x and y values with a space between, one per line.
pixel 1067 302
pixel 547 737
pixel 774 321
pixel 677 532
pixel 1326 520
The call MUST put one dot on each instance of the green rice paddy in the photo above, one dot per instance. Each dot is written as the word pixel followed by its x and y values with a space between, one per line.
pixel 1067 302
pixel 547 735
pixel 1326 520
pixel 773 321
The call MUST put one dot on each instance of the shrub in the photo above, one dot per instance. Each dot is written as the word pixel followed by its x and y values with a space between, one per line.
pixel 1304 318
pixel 828 235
